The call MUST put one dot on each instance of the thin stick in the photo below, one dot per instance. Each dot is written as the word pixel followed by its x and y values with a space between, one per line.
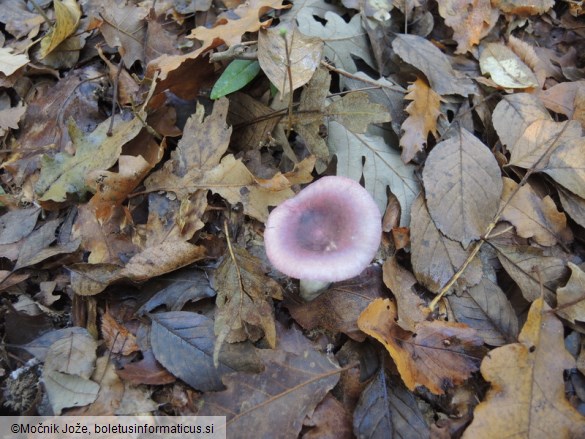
pixel 290 83
pixel 115 97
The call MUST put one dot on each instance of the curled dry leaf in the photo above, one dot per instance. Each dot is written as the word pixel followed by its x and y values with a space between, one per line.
pixel 505 68
pixel 527 394
pixel 438 355
pixel 67 15
pixel 571 297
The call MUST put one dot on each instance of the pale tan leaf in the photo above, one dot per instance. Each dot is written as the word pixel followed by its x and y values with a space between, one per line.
pixel 300 54
pixel 11 62
pixel 566 98
pixel 523 7
pixel 124 27
pixel 571 297
pixel 355 112
pixel 505 67
pixel 528 55
pixel 533 216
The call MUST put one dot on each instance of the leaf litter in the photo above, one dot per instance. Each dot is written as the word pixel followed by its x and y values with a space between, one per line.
pixel 133 205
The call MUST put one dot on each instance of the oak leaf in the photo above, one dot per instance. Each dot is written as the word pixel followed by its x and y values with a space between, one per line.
pixel 527 395
pixel 439 354
pixel 244 300
pixel 471 20
pixel 124 27
pixel 423 113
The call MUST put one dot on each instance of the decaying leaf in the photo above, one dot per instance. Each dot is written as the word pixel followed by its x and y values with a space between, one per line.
pixel 183 342
pixel 65 174
pixel 124 27
pixel 439 354
pixel 289 388
pixel 244 300
pixel 422 120
pixel 300 55
pixel 11 62
pixel 462 186
pixel 385 408
pixel 523 7
pixel 566 98
pixel 527 395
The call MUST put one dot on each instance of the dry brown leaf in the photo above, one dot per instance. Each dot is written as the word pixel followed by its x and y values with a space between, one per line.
pixel 124 27
pixel 528 55
pixel 300 55
pixel 505 68
pixel 527 395
pixel 119 340
pixel 571 297
pixel 438 355
pixel 462 186
pixel 330 420
pixel 410 307
pixel 573 205
pixel 471 20
pixel 566 98
pixel 514 114
pixel 423 55
pixel 244 300
pixel 338 308
pixel 11 62
pixel 533 216
pixel 145 371
pixel 423 113
pixel 523 7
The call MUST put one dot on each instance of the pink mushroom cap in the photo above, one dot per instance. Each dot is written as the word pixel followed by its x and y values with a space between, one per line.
pixel 330 231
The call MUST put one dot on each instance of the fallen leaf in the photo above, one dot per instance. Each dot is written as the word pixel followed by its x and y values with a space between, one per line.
pixel 514 114
pixel 471 21
pixel 65 174
pixel 183 342
pixel 423 55
pixel 530 267
pixel 523 7
pixel 355 112
pixel 338 308
pixel 485 308
pixel 290 387
pixel 244 300
pixel 18 224
pixel 67 15
pixel 124 26
pixel 387 409
pixel 343 40
pixel 439 354
pixel 527 394
pixel 436 258
pixel 423 113
pixel 567 98
pixel 571 297
pixel 145 371
pixel 19 21
pixel 462 186
pixel 330 420
pixel 119 340
pixel 533 216
pixel 39 347
pixel 505 68
pixel 573 205
pixel 11 62
pixel 299 56
pixel 380 165
pixel 410 307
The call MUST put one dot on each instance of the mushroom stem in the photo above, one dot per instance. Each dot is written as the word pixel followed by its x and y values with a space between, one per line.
pixel 311 289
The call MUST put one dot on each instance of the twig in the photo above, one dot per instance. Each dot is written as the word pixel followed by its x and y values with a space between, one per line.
pixel 357 78
pixel 115 97
pixel 237 51
pixel 290 83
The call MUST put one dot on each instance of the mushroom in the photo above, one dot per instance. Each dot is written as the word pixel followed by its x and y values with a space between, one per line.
pixel 330 231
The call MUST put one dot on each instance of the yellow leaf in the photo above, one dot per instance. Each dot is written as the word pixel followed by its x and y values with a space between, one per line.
pixel 67 14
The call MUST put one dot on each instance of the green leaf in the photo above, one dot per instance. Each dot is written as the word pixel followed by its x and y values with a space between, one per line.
pixel 237 75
